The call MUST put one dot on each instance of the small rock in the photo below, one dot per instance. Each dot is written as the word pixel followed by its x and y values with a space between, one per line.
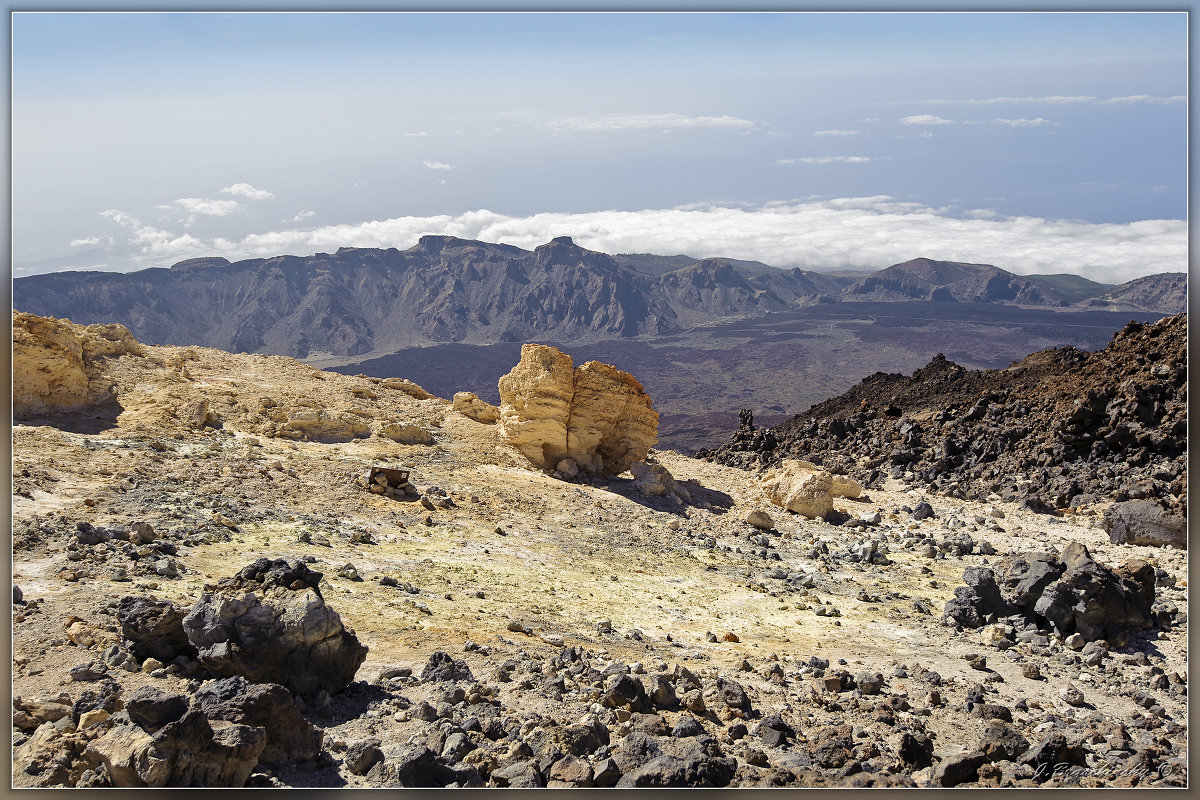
pixel 976 661
pixel 761 520
pixel 1072 696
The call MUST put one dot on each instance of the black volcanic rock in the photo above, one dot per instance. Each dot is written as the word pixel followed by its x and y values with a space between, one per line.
pixel 1059 428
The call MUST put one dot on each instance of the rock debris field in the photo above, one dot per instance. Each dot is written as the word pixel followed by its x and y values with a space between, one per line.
pixel 219 582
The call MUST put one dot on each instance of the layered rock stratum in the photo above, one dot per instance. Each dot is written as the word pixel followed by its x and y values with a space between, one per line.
pixel 664 627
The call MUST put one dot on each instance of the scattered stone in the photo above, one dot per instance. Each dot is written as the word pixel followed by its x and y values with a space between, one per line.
pixel 441 667
pixel 362 755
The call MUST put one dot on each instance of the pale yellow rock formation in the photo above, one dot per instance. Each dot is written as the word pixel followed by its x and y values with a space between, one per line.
pixel 324 425
pixel 56 364
pixel 761 520
pixel 596 415
pixel 404 433
pixel 613 424
pixel 408 387
pixel 469 405
pixel 800 487
pixel 845 487
pixel 535 404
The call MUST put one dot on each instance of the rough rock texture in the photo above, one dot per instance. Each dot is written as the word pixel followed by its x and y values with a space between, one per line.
pixel 654 480
pixel 190 751
pixel 1068 593
pixel 1145 522
pixel 290 737
pixel 56 364
pixel 404 433
pixel 270 624
pixel 596 415
pixel 806 489
pixel 153 628
pixel 469 405
pixel 1062 427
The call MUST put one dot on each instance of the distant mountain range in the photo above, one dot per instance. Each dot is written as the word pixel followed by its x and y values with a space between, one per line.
pixel 361 302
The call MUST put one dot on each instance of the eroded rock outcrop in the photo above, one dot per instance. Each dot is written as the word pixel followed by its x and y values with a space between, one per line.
pixel 270 624
pixel 57 365
pixel 595 415
pixel 290 737
pixel 471 406
pixel 153 628
pixel 189 751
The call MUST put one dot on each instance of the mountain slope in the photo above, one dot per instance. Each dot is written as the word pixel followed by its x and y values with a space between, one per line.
pixel 361 301
pixel 926 279
pixel 1062 426
pixel 1166 291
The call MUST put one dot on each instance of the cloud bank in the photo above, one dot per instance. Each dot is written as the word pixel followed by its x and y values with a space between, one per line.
pixel 863 232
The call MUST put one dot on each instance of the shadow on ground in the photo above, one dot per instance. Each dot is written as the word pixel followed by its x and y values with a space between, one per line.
pixel 718 502
pixel 94 420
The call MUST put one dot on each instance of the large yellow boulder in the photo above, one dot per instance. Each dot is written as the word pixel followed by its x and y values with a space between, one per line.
pixel 595 414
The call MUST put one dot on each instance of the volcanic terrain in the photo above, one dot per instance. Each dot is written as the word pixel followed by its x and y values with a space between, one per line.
pixel 523 629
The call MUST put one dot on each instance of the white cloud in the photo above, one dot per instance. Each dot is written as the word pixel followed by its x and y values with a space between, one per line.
pixel 207 208
pixel 303 215
pixel 617 122
pixel 835 133
pixel 91 241
pixel 1012 123
pixel 246 190
pixel 1145 98
pixel 824 160
pixel 865 232
pixel 1057 99
pixel 925 119
pixel 869 119
pixel 415 133
pixel 151 241
pixel 431 164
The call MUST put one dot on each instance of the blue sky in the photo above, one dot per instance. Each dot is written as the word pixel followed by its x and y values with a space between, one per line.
pixel 1037 142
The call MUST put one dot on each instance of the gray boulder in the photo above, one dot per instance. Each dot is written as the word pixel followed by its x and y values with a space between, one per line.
pixel 270 624
pixel 290 737
pixel 1145 522
pixel 153 628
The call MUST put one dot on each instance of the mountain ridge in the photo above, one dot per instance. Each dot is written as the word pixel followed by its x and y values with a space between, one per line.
pixel 365 302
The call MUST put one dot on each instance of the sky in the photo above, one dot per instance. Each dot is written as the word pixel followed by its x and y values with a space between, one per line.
pixel 1038 142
